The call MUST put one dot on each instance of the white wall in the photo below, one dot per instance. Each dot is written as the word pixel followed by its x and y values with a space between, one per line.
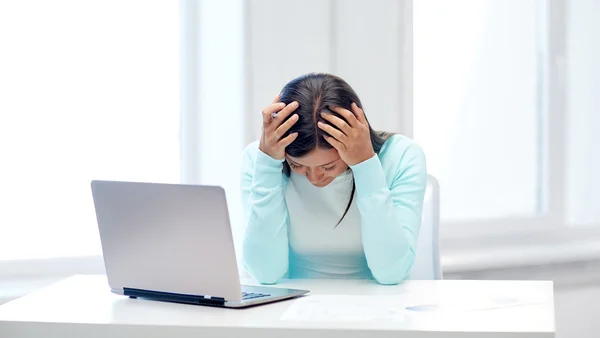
pixel 361 41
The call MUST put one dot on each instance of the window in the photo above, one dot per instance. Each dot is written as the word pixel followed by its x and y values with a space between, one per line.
pixel 506 106
pixel 476 104
pixel 89 90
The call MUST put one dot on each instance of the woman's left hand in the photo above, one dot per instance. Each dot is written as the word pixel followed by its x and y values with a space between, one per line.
pixel 353 139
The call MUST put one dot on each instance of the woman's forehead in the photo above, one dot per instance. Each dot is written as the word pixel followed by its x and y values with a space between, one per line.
pixel 316 158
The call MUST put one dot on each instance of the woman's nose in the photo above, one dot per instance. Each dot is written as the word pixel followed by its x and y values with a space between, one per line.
pixel 314 176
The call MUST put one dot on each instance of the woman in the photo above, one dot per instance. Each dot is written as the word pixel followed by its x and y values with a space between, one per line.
pixel 325 195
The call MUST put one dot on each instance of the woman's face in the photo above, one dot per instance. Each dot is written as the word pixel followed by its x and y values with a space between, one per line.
pixel 321 166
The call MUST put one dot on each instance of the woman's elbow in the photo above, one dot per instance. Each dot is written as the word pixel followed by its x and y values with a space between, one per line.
pixel 265 268
pixel 395 273
pixel 268 279
pixel 389 278
pixel 266 274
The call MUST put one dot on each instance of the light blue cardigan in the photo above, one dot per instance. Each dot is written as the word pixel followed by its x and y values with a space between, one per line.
pixel 390 188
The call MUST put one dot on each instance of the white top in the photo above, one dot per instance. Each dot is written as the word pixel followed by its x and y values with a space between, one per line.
pixel 335 308
pixel 318 247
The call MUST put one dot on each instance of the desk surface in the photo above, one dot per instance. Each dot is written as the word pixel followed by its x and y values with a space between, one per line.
pixel 83 306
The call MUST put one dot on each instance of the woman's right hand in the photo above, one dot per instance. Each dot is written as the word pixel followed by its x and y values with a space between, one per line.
pixel 271 142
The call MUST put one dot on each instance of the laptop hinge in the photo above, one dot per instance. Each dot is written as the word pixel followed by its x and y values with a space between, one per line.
pixel 174 297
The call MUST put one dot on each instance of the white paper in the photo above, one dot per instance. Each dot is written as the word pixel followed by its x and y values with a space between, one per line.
pixel 344 308
pixel 469 305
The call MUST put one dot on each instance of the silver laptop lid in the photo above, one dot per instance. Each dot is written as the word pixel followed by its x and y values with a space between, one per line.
pixel 167 237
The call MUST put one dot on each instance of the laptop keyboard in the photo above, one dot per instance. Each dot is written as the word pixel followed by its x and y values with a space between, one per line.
pixel 253 295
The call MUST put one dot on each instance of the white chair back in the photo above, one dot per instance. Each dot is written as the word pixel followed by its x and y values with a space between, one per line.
pixel 427 260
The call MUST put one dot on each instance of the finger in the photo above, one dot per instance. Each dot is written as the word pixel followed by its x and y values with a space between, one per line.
pixel 332 131
pixel 276 99
pixel 273 108
pixel 286 141
pixel 284 127
pixel 283 114
pixel 348 115
pixel 338 122
pixel 339 146
pixel 360 114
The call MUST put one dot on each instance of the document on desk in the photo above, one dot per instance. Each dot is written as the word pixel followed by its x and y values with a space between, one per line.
pixel 472 305
pixel 344 308
pixel 354 308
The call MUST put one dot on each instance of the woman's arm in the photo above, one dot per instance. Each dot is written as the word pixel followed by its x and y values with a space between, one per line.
pixel 391 215
pixel 265 247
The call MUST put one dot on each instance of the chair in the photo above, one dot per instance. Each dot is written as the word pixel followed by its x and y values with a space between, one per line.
pixel 427 260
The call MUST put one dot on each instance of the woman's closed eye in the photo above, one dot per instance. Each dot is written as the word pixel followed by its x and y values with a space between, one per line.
pixel 298 166
pixel 295 166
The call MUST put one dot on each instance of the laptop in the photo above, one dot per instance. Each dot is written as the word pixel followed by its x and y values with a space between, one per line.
pixel 173 242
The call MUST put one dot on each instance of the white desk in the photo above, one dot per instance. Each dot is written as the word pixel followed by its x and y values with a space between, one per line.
pixel 82 306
